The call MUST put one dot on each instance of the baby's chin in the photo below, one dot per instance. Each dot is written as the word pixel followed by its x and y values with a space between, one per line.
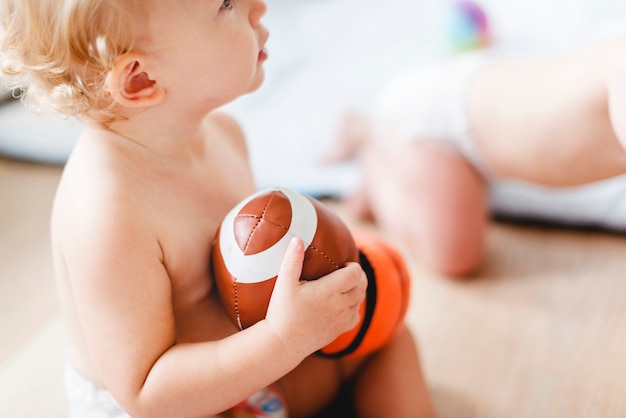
pixel 258 80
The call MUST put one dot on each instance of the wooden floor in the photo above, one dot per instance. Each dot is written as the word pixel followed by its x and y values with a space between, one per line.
pixel 31 330
pixel 540 332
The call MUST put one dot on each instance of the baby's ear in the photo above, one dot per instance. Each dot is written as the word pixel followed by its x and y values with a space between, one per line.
pixel 131 84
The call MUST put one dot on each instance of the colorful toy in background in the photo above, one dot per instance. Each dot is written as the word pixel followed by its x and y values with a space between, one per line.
pixel 468 27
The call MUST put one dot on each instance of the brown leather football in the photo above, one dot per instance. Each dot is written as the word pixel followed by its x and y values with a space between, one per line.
pixel 252 240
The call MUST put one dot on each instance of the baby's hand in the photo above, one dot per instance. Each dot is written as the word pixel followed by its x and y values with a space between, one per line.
pixel 307 315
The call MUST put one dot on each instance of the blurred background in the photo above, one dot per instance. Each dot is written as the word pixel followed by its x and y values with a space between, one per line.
pixel 331 56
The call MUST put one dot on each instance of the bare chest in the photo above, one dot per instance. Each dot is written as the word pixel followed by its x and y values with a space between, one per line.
pixel 188 225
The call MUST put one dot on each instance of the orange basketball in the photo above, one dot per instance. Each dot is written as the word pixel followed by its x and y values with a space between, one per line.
pixel 386 303
pixel 252 241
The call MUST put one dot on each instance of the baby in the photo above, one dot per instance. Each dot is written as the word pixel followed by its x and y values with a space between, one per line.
pixel 444 137
pixel 156 169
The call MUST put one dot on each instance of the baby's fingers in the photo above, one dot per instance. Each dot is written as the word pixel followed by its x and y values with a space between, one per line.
pixel 355 296
pixel 349 278
pixel 291 266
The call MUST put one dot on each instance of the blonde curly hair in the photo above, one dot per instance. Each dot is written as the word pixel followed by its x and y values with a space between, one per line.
pixel 56 54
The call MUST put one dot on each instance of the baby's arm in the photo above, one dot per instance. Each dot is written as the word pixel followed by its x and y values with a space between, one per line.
pixel 302 317
pixel 124 298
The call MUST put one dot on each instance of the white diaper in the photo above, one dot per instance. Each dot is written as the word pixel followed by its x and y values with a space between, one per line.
pixel 428 103
pixel 89 401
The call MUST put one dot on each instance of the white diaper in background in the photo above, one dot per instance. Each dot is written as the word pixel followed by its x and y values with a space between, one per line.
pixel 428 103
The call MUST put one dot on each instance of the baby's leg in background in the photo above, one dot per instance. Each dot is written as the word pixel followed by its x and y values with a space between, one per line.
pixel 431 199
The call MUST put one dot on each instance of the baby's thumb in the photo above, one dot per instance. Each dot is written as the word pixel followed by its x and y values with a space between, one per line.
pixel 291 266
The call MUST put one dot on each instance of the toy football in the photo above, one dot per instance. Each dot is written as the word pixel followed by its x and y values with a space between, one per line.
pixel 253 238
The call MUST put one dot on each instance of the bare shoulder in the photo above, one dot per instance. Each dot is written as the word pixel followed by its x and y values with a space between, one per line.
pixel 95 196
